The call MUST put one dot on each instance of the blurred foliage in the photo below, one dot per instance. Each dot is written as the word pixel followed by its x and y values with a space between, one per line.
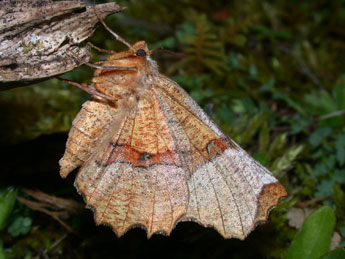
pixel 7 200
pixel 314 238
pixel 272 76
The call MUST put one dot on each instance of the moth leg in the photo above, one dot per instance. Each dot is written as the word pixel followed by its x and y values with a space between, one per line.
pixel 94 65
pixel 100 49
pixel 87 88
pixel 110 68
pixel 98 62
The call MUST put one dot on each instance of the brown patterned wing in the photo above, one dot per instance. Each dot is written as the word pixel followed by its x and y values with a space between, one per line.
pixel 165 161
pixel 137 178
pixel 228 189
pixel 89 128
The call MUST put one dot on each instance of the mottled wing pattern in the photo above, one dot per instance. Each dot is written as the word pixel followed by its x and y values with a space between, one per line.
pixel 137 179
pixel 228 189
pixel 165 161
pixel 89 128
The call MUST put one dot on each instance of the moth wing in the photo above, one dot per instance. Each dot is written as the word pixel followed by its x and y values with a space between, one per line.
pixel 228 189
pixel 164 161
pixel 134 177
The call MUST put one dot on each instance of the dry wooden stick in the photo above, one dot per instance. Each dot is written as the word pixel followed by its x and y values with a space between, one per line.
pixel 38 207
pixel 35 37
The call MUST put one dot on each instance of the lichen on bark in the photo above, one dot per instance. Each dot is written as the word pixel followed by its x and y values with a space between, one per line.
pixel 42 39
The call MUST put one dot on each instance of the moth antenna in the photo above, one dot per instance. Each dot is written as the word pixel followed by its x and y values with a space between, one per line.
pixel 100 49
pixel 167 51
pixel 117 37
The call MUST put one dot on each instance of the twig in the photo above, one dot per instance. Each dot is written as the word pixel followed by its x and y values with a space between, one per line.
pixel 38 207
pixel 310 203
pixel 332 114
pixel 55 202
pixel 56 243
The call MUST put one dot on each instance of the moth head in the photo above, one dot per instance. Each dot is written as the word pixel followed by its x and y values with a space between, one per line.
pixel 137 57
pixel 141 49
pixel 133 57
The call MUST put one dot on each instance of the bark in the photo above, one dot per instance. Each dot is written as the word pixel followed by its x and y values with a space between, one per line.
pixel 41 39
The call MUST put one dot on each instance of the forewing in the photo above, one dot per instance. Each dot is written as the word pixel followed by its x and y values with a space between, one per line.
pixel 136 177
pixel 92 124
pixel 163 160
pixel 228 189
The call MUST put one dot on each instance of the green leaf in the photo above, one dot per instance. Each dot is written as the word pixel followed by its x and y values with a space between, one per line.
pixel 320 103
pixel 325 188
pixel 293 104
pixel 262 158
pixel 2 253
pixel 239 40
pixel 339 176
pixel 342 231
pixel 313 240
pixel 285 162
pixel 320 134
pixel 300 123
pixel 233 61
pixel 253 72
pixel 7 200
pixel 264 32
pixel 253 127
pixel 264 138
pixel 335 254
pixel 186 30
pixel 277 145
pixel 268 86
pixel 339 92
pixel 338 200
pixel 340 148
pixel 20 226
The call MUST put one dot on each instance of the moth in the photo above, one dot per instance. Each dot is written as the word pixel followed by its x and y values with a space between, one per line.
pixel 149 156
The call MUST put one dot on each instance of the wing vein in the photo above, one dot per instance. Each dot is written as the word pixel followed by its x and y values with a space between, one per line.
pixel 153 202
pixel 185 162
pixel 165 144
pixel 130 198
pixel 112 192
pixel 248 183
pixel 219 206
pixel 102 173
pixel 182 105
pixel 205 159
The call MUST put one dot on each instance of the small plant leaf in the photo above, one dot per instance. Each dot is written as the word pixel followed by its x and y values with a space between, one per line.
pixel 313 240
pixel 285 162
pixel 340 148
pixel 339 92
pixel 335 254
pixel 320 103
pixel 264 138
pixel 2 253
pixel 253 127
pixel 20 226
pixel 7 200
pixel 320 134
pixel 277 145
